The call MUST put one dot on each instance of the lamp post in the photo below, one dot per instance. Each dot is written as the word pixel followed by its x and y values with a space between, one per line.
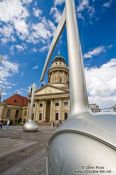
pixel 30 125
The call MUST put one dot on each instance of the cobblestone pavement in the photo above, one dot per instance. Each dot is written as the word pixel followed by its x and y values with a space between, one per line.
pixel 23 152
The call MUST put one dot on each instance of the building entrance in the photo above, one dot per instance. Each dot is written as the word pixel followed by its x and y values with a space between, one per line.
pixel 48 104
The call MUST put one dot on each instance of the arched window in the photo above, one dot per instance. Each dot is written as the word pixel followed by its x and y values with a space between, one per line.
pixel 8 113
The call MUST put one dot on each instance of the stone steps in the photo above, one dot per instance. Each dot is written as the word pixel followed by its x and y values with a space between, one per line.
pixel 44 123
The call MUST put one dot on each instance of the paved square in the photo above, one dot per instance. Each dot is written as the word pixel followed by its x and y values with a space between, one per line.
pixel 23 152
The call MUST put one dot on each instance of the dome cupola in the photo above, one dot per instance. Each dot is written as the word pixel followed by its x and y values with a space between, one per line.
pixel 58 72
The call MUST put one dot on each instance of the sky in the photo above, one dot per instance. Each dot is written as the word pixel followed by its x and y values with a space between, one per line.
pixel 26 31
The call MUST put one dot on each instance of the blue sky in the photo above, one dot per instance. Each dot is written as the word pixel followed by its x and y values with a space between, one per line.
pixel 26 31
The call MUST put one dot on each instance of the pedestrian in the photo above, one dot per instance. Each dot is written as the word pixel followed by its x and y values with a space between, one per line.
pixel 1 123
pixel 8 122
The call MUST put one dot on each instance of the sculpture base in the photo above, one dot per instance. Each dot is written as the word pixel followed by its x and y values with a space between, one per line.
pixel 30 126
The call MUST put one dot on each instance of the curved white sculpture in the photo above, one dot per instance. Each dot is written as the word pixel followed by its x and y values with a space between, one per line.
pixel 30 125
pixel 86 143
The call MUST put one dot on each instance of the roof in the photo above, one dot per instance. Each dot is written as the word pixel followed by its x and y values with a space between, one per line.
pixel 59 58
pixel 17 100
pixel 52 86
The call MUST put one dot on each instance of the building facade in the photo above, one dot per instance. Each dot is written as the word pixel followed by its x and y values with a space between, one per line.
pixel 52 101
pixel 14 108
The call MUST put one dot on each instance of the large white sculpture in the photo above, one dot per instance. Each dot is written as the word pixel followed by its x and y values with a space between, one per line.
pixel 86 143
pixel 30 125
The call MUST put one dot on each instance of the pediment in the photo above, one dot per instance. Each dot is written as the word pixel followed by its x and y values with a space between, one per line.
pixel 49 90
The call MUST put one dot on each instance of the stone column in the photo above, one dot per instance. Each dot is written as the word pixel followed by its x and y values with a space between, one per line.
pixel 44 111
pixel 51 111
pixel 35 116
pixel 60 109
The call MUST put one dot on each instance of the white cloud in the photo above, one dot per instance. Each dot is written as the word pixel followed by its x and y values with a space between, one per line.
pixel 46 47
pixel 107 4
pixel 21 27
pixel 55 11
pixel 58 2
pixel 14 14
pixel 42 31
pixel 84 5
pixel 20 48
pixel 101 84
pixel 35 67
pixel 16 24
pixel 95 52
pixel 6 30
pixel 56 14
pixel 7 69
pixel 11 10
pixel 26 1
pixel 17 47
pixel 22 91
pixel 34 49
pixel 37 12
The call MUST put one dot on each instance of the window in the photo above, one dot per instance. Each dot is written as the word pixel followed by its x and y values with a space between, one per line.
pixel 65 115
pixel 15 101
pixel 41 105
pixel 40 116
pixel 25 113
pixel 34 105
pixel 56 116
pixel 66 103
pixel 8 113
pixel 17 114
pixel 57 104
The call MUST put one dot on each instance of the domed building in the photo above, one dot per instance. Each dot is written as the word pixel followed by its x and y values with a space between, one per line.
pixel 58 73
pixel 52 100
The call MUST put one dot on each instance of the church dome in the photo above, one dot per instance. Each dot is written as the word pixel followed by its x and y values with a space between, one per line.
pixel 58 72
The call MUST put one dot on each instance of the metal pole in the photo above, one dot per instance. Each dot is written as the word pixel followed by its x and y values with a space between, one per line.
pixel 32 102
pixel 78 94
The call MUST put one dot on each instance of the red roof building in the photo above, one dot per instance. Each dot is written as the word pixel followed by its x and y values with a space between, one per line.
pixel 17 100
